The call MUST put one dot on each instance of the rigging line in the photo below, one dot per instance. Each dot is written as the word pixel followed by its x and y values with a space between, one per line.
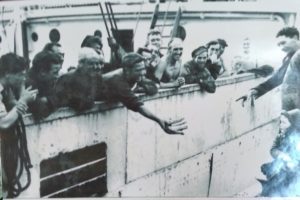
pixel 103 16
pixel 2 16
pixel 114 29
pixel 137 22
pixel 109 17
pixel 165 17
pixel 4 29
pixel 113 15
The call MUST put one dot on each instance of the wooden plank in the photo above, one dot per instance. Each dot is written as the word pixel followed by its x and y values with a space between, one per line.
pixel 69 160
pixel 97 188
pixel 65 180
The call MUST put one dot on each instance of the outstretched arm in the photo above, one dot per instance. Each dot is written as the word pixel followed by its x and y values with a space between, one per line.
pixel 170 127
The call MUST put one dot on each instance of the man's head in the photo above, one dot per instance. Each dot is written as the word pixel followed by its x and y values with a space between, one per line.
pixel 55 48
pixel 90 60
pixel 94 42
pixel 154 38
pixel 287 39
pixel 223 45
pixel 147 54
pixel 213 48
pixel 175 48
pixel 12 70
pixel 150 54
pixel 200 56
pixel 134 67
pixel 46 66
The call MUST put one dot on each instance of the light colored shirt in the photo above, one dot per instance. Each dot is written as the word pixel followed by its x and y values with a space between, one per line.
pixel 3 111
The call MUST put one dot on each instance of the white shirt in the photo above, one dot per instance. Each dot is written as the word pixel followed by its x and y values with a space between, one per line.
pixel 3 111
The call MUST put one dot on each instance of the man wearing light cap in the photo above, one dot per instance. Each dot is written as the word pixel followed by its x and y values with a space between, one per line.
pixel 78 89
pixel 195 70
pixel 119 88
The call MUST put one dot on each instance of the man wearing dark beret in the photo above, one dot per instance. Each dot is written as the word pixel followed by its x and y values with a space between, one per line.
pixel 118 87
pixel 195 70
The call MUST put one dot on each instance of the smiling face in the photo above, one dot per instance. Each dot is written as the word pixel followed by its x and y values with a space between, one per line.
pixel 137 72
pixel 287 44
pixel 155 39
pixel 176 49
pixel 213 49
pixel 201 58
pixel 52 75
pixel 148 58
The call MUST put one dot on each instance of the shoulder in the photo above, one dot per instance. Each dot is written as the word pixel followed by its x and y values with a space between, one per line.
pixel 296 58
pixel 189 64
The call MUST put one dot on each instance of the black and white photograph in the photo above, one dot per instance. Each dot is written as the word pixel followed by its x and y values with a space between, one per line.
pixel 149 99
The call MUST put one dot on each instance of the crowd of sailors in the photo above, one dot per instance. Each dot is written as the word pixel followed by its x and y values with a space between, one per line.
pixel 40 89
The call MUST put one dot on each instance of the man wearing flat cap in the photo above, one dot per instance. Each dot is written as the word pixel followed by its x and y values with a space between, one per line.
pixel 119 88
pixel 195 70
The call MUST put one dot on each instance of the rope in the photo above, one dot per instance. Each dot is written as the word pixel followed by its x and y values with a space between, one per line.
pixel 137 22
pixel 15 152
pixel 165 17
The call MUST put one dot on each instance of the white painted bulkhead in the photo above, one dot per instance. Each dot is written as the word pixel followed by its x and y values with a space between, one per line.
pixel 144 161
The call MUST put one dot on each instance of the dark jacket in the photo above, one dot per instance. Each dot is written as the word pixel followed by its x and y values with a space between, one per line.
pixel 194 74
pixel 77 89
pixel 118 89
pixel 276 79
pixel 45 102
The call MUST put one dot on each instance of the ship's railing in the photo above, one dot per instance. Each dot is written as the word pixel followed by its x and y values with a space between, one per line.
pixel 219 155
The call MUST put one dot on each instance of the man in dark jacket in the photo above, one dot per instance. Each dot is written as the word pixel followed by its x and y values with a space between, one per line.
pixel 195 71
pixel 288 37
pixel 119 88
pixel 42 76
pixel 78 89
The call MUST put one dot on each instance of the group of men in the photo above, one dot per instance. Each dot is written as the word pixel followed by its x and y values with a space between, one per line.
pixel 144 71
pixel 169 70
pixel 41 90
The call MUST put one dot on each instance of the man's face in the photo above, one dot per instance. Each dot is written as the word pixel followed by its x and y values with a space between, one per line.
pixel 148 58
pixel 201 59
pixel 16 80
pixel 287 44
pixel 155 40
pixel 137 72
pixel 213 49
pixel 176 51
pixel 52 75
pixel 94 64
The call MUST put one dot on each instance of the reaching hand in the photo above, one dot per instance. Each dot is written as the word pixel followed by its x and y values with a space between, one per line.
pixel 214 58
pixel 252 95
pixel 174 126
pixel 28 95
pixel 21 107
pixel 180 81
